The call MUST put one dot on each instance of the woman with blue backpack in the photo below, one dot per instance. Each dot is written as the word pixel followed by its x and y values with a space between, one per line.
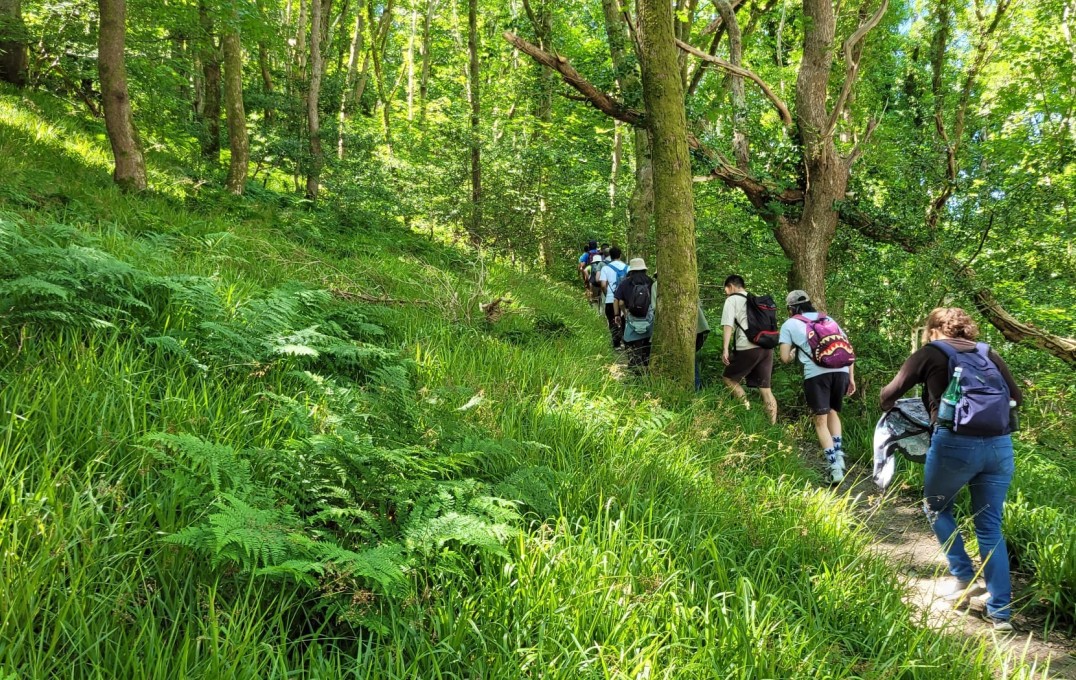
pixel 971 397
pixel 828 374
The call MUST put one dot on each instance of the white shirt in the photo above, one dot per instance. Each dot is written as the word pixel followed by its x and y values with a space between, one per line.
pixel 608 274
pixel 734 315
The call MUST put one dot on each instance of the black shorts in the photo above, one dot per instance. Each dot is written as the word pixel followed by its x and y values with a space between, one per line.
pixel 825 392
pixel 754 364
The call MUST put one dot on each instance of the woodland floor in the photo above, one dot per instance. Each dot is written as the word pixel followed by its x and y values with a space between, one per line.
pixel 901 533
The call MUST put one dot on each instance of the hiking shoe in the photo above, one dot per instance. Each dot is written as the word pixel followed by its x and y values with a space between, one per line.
pixel 1000 625
pixel 836 474
pixel 839 456
pixel 965 589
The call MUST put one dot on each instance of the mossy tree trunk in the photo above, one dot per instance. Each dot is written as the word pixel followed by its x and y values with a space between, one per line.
pixel 678 292
pixel 130 169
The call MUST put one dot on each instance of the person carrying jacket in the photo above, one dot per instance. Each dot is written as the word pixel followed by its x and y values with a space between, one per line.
pixel 982 463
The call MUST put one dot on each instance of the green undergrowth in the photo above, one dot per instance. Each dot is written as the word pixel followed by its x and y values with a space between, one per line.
pixel 244 438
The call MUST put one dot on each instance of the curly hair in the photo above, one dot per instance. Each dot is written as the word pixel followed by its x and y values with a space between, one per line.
pixel 952 322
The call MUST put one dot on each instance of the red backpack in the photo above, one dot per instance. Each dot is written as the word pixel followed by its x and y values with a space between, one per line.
pixel 826 345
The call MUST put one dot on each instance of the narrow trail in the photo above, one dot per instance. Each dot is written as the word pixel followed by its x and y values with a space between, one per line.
pixel 901 534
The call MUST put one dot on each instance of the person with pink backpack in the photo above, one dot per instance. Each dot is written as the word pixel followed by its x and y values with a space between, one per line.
pixel 828 376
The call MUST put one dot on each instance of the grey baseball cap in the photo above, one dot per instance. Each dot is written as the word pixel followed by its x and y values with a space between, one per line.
pixel 797 297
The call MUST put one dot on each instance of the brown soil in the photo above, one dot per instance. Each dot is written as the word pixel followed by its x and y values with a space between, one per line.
pixel 902 535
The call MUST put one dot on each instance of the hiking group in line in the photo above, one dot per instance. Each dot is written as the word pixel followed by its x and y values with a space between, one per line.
pixel 968 391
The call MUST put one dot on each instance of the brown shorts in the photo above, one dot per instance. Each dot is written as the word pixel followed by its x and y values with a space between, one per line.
pixel 754 364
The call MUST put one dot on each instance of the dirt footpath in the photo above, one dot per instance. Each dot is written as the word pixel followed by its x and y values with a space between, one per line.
pixel 902 534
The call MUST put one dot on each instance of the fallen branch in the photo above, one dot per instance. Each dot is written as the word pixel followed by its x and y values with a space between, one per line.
pixel 352 296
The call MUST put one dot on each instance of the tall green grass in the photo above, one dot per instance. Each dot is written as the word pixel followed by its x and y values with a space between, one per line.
pixel 657 535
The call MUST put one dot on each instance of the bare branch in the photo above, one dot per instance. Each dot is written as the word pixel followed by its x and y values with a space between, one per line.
pixel 759 193
pixel 858 149
pixel 782 108
pixel 851 64
pixel 600 100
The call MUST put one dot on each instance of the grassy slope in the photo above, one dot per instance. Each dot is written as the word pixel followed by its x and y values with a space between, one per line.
pixel 686 540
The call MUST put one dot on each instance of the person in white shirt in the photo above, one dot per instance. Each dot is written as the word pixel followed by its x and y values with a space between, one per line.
pixel 745 360
pixel 611 275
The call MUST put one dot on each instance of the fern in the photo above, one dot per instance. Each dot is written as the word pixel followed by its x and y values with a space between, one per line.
pixel 240 533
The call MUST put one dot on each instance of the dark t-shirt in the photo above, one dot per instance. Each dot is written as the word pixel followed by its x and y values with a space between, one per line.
pixel 929 367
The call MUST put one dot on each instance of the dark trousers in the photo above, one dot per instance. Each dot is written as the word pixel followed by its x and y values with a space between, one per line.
pixel 638 353
pixel 614 330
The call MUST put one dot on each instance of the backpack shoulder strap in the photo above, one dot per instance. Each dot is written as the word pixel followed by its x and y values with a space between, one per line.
pixel 948 350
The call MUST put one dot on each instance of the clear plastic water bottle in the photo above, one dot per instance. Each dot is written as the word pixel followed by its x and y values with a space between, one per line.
pixel 1014 417
pixel 947 407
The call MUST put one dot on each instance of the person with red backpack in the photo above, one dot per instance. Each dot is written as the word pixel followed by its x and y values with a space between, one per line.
pixel 971 446
pixel 828 374
pixel 752 321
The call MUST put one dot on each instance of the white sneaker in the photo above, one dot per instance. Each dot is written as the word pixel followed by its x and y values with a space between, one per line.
pixel 840 460
pixel 969 591
pixel 836 473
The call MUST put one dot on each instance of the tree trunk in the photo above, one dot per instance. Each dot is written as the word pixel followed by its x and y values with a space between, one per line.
pixel 411 82
pixel 614 165
pixel 237 116
pixel 209 115
pixel 267 78
pixel 476 142
pixel 542 22
pixel 663 92
pixel 313 177
pixel 740 143
pixel 347 96
pixel 300 39
pixel 806 240
pixel 130 171
pixel 13 53
pixel 641 207
pixel 641 203
pixel 424 77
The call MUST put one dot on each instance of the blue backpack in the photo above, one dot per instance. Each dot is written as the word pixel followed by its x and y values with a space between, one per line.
pixel 983 410
pixel 620 271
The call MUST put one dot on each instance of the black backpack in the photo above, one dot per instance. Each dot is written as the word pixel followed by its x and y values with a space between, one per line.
pixel 761 320
pixel 638 297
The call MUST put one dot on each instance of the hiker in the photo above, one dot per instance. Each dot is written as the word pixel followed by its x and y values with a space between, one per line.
pixel 828 376
pixel 702 331
pixel 611 275
pixel 971 446
pixel 634 310
pixel 746 359
pixel 592 272
pixel 585 258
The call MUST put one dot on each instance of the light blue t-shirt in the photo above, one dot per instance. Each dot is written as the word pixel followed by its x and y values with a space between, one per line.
pixel 794 332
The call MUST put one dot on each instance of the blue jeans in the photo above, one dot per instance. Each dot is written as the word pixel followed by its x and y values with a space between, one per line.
pixel 985 466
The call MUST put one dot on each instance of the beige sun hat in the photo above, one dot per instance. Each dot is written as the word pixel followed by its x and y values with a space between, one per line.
pixel 637 265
